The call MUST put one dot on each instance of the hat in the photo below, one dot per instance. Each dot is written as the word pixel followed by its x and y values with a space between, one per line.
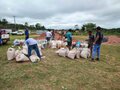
pixel 98 28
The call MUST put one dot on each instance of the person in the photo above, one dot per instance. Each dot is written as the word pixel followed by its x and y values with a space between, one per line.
pixel 26 33
pixel 32 45
pixel 78 44
pixel 90 40
pixel 48 35
pixel 97 44
pixel 53 35
pixel 0 37
pixel 68 36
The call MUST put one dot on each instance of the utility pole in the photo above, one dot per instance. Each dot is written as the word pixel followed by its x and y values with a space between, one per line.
pixel 14 22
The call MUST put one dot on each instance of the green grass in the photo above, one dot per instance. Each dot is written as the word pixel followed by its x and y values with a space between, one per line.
pixel 58 73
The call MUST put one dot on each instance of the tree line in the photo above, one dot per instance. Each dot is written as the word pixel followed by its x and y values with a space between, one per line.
pixel 4 24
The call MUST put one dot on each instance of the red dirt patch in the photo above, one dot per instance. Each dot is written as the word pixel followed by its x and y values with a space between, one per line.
pixel 113 40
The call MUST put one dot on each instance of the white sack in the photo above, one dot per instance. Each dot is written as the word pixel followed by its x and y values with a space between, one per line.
pixel 10 53
pixel 78 51
pixel 85 53
pixel 63 52
pixel 21 57
pixel 57 52
pixel 59 43
pixel 34 58
pixel 17 52
pixel 72 53
pixel 24 51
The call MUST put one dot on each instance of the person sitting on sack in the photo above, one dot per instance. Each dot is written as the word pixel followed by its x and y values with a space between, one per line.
pixel 78 44
pixel 32 45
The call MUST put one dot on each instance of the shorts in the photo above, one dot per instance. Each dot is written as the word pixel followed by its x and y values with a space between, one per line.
pixel 48 39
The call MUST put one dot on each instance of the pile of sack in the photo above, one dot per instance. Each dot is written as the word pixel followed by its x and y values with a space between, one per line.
pixel 42 42
pixel 83 52
pixel 18 42
pixel 57 44
pixel 21 54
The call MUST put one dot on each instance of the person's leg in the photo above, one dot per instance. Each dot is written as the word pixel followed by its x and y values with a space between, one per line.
pixel 37 50
pixel 29 50
pixel 94 50
pixel 98 52
pixel 69 45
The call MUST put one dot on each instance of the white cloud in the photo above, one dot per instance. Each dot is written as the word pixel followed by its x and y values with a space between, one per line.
pixel 62 13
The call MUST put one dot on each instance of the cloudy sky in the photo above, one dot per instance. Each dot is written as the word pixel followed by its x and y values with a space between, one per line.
pixel 62 13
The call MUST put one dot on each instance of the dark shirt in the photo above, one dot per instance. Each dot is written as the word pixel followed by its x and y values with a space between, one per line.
pixel 99 41
pixel 91 38
pixel 26 32
pixel 0 34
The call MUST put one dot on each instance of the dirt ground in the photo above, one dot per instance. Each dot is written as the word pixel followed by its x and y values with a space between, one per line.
pixel 113 40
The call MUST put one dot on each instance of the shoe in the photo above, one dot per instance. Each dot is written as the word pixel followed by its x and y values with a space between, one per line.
pixel 97 59
pixel 42 58
pixel 92 60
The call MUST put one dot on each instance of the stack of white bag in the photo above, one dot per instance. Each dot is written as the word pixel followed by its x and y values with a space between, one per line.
pixel 75 53
pixel 18 42
pixel 21 54
pixel 83 52
pixel 57 44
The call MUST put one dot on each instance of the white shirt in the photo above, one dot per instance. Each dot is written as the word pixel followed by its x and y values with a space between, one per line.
pixel 31 41
pixel 48 34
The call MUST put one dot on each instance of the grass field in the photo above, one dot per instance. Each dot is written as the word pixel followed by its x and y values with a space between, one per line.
pixel 58 73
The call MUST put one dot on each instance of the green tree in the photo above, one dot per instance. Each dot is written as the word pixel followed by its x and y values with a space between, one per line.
pixel 76 27
pixel 26 24
pixel 4 22
pixel 38 26
pixel 88 27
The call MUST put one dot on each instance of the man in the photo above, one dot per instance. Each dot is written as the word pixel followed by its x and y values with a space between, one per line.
pixel 97 44
pixel 48 37
pixel 53 35
pixel 90 41
pixel 68 36
pixel 32 45
pixel 26 33
pixel 0 37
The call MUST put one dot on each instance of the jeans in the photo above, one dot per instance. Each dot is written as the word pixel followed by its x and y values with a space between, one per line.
pixel 0 41
pixel 33 47
pixel 26 37
pixel 96 50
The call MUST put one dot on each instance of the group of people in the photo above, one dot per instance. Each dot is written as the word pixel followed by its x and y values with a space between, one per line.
pixel 94 42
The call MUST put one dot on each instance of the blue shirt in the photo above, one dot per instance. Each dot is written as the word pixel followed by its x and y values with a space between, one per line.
pixel 30 41
pixel 26 32
pixel 68 35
